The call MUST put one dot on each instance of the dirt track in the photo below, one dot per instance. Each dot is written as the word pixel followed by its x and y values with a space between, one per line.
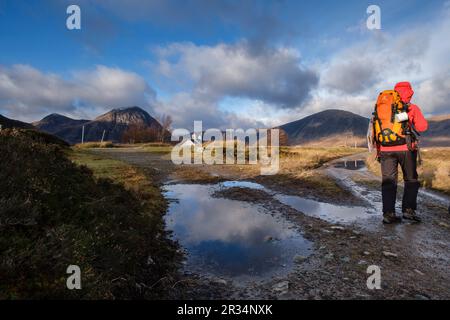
pixel 414 258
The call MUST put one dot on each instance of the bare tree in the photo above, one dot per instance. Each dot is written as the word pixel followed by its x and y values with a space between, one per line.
pixel 139 134
pixel 166 123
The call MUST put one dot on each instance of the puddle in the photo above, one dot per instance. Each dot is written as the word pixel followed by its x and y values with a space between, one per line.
pixel 242 240
pixel 325 211
pixel 242 184
pixel 351 164
pixel 229 238
pixel 441 198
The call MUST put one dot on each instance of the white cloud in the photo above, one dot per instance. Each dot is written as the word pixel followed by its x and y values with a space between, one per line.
pixel 272 84
pixel 28 93
pixel 274 76
pixel 202 77
pixel 353 77
pixel 186 107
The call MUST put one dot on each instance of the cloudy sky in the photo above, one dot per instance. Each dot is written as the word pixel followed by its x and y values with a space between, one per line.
pixel 228 63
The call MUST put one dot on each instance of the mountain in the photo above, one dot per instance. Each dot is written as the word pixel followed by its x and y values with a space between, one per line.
pixel 438 133
pixel 114 123
pixel 54 123
pixel 328 128
pixel 10 123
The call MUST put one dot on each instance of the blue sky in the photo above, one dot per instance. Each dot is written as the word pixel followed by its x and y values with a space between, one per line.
pixel 228 63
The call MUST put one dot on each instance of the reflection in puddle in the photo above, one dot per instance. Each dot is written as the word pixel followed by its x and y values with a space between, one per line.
pixel 325 211
pixel 242 184
pixel 351 164
pixel 229 238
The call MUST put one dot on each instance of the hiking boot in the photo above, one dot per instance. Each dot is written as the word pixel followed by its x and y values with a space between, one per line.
pixel 410 214
pixel 390 217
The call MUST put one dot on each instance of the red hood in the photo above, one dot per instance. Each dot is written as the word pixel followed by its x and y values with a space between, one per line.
pixel 405 90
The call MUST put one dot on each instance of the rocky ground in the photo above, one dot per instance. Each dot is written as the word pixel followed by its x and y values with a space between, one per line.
pixel 413 258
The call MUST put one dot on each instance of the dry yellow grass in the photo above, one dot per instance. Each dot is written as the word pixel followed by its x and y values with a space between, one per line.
pixel 297 173
pixel 301 160
pixel 434 172
pixel 436 169
pixel 95 144
pixel 294 161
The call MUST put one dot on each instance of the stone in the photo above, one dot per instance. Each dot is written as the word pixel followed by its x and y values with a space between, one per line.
pixel 443 224
pixel 150 261
pixel 281 287
pixel 299 259
pixel 329 256
pixel 389 254
pixel 220 281
pixel 419 272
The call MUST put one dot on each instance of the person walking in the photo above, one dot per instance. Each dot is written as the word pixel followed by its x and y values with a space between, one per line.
pixel 395 124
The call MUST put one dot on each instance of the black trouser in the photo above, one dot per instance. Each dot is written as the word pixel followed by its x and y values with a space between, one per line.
pixel 389 169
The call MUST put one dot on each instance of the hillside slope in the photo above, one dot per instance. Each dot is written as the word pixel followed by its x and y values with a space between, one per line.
pixel 10 123
pixel 329 127
pixel 54 123
pixel 54 213
pixel 438 133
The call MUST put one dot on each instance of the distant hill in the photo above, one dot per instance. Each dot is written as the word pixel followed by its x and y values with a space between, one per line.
pixel 114 123
pixel 54 123
pixel 328 128
pixel 10 123
pixel 438 134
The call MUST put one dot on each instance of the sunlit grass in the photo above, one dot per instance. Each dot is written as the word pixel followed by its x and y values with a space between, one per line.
pixel 97 144
pixel 116 170
pixel 434 172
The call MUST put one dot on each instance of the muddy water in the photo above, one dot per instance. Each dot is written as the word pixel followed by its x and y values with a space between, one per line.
pixel 243 184
pixel 228 238
pixel 329 212
pixel 242 240
pixel 325 211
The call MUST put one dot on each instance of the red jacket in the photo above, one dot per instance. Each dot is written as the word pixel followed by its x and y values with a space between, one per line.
pixel 416 117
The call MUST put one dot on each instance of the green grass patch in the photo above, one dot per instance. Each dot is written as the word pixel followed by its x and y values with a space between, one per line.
pixel 157 149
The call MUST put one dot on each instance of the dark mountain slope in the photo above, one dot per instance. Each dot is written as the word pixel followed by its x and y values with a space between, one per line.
pixel 114 123
pixel 56 122
pixel 10 123
pixel 327 127
pixel 438 133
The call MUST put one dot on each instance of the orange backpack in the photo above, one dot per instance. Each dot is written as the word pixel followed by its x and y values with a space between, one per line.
pixel 387 130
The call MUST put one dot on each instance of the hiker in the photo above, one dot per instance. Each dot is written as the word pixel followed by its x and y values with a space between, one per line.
pixel 395 126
